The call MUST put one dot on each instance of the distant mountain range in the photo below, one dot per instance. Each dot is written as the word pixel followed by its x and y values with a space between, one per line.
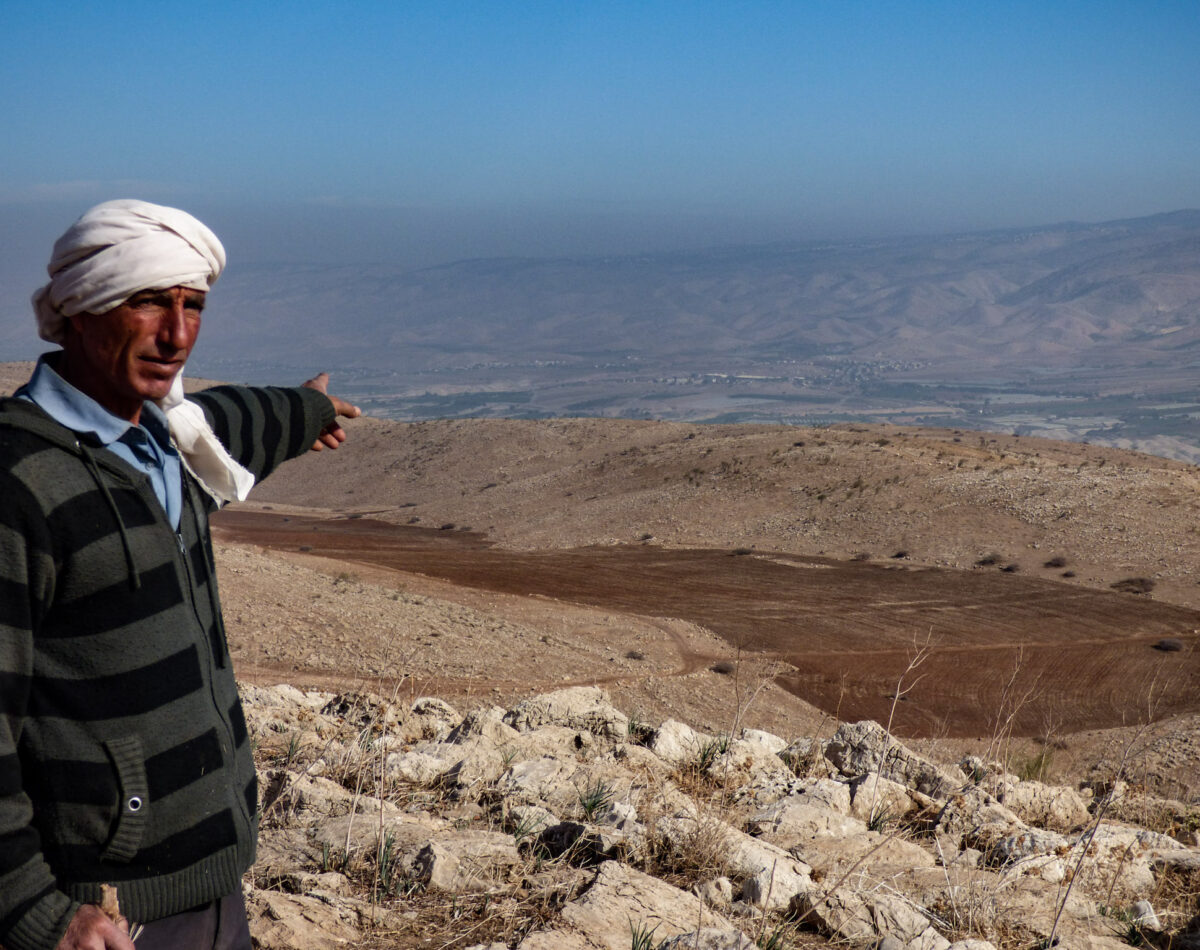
pixel 1118 293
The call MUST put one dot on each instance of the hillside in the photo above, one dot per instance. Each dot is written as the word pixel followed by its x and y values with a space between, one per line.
pixel 945 497
pixel 460 560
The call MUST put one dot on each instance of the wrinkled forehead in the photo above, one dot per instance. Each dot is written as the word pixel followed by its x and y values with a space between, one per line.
pixel 171 290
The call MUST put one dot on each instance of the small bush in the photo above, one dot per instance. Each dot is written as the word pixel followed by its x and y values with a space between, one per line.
pixel 724 667
pixel 1056 561
pixel 1169 645
pixel 1011 568
pixel 634 655
pixel 900 555
pixel 1134 585
pixel 1035 768
pixel 989 560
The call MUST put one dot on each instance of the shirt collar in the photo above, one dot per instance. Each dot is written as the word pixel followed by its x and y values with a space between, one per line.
pixel 81 413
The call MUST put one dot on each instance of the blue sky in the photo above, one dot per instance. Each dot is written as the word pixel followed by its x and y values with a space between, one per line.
pixel 423 131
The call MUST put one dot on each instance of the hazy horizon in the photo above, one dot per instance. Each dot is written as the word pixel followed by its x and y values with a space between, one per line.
pixel 424 132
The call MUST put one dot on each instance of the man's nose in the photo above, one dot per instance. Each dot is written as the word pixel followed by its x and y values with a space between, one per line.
pixel 173 328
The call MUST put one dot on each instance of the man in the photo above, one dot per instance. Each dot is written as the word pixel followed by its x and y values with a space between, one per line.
pixel 124 758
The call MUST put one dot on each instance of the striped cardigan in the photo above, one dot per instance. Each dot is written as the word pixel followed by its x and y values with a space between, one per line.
pixel 124 757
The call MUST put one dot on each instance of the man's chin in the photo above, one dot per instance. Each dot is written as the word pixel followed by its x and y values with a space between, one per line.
pixel 156 384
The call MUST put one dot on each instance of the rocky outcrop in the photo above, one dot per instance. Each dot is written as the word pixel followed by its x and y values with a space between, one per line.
pixel 554 826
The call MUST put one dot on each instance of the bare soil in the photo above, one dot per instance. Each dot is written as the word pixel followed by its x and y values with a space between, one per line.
pixel 842 632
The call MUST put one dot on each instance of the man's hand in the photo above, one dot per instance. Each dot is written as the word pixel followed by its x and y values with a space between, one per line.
pixel 333 434
pixel 90 929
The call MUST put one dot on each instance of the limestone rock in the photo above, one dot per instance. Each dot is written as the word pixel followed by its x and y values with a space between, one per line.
pixel 709 938
pixel 424 766
pixel 290 795
pixel 717 892
pixel 973 818
pixel 487 724
pixel 641 760
pixel 294 922
pixel 622 897
pixel 558 773
pixel 361 709
pixel 434 718
pixel 860 747
pixel 1029 843
pixel 765 740
pixel 879 801
pixel 678 743
pixel 868 917
pixel 751 764
pixel 771 876
pixel 1054 807
pixel 797 819
pixel 465 861
pixel 879 855
pixel 409 833
pixel 806 757
pixel 556 940
pixel 580 707
pixel 550 740
pixel 480 764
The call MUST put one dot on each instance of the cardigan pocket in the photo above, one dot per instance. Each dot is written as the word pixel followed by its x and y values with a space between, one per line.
pixel 133 807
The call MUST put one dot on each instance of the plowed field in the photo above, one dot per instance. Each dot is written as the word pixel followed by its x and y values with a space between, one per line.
pixel 1056 658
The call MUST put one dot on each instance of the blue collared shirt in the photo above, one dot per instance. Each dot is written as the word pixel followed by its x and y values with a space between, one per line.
pixel 147 447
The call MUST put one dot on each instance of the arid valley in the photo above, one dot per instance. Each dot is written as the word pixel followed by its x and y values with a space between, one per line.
pixel 982 595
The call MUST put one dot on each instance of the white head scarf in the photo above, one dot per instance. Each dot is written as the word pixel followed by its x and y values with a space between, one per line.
pixel 112 252
pixel 117 249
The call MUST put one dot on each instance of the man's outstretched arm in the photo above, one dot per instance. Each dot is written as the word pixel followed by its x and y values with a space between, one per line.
pixel 262 427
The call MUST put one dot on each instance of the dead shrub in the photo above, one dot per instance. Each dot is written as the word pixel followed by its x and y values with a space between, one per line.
pixel 700 854
pixel 1176 899
pixel 1134 585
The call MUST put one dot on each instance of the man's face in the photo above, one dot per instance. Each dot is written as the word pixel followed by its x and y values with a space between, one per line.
pixel 134 351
